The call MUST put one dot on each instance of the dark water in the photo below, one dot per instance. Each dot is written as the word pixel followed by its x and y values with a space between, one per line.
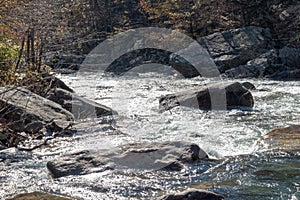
pixel 236 169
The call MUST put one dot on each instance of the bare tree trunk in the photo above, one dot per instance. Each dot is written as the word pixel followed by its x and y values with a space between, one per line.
pixel 28 46
pixel 41 48
pixel 20 55
pixel 108 23
pixel 33 61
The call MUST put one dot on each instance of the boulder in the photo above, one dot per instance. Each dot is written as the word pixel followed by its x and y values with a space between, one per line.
pixel 288 75
pixel 151 156
pixel 247 71
pixel 290 56
pixel 233 48
pixel 136 58
pixel 54 82
pixel 186 69
pixel 44 83
pixel 265 64
pixel 285 139
pixel 80 107
pixel 23 110
pixel 229 49
pixel 282 64
pixel 193 194
pixel 39 196
pixel 236 96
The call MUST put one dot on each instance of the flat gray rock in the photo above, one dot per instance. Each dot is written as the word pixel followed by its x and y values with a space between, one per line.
pixel 150 156
pixel 80 107
pixel 29 112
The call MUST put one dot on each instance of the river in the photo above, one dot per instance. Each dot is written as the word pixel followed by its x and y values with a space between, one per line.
pixel 237 169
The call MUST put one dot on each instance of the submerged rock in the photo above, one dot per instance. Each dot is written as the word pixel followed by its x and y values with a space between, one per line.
pixel 39 196
pixel 151 156
pixel 80 107
pixel 23 110
pixel 193 194
pixel 286 139
pixel 236 95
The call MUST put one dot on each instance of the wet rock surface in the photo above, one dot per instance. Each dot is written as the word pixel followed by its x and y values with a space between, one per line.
pixel 249 86
pixel 39 196
pixel 236 95
pixel 286 139
pixel 152 156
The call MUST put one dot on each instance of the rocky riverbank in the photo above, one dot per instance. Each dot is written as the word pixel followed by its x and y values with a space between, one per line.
pixel 26 115
pixel 248 52
pixel 30 116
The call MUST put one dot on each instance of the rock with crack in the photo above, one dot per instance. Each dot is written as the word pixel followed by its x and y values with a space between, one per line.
pixel 25 111
pixel 151 156
pixel 193 194
pixel 235 47
pixel 81 108
pixel 228 49
pixel 264 65
pixel 235 95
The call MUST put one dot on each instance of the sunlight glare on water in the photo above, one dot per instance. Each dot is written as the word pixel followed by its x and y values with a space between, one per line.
pixel 220 133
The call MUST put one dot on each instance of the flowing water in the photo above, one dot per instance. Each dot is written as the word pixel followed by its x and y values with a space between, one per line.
pixel 237 169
